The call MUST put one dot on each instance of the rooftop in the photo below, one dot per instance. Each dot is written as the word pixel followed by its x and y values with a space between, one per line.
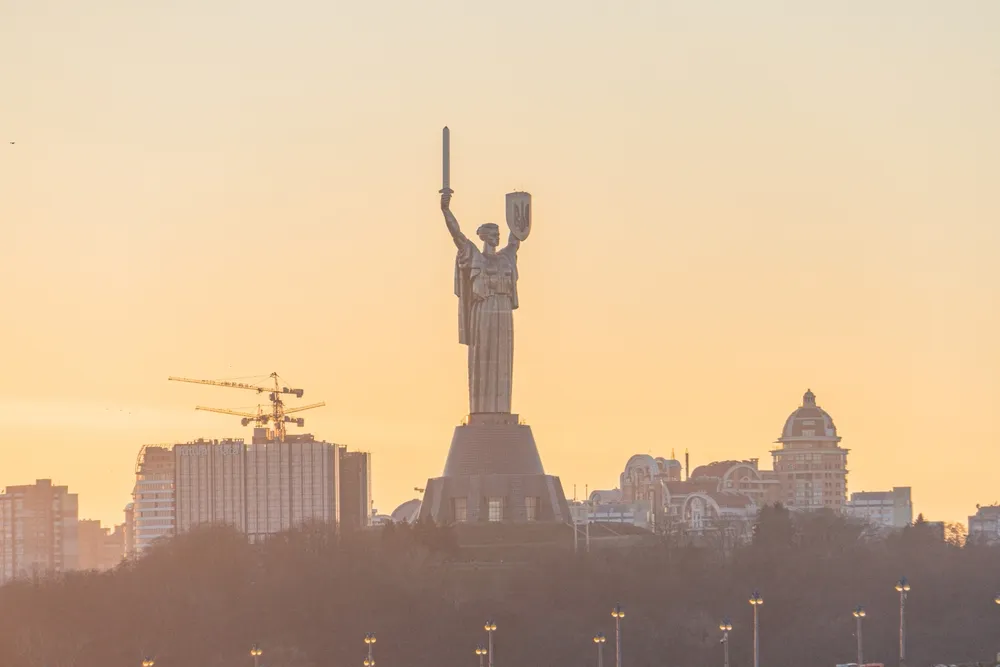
pixel 809 421
pixel 718 469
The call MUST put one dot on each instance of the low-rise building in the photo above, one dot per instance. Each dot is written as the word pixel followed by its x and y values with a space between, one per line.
pixel 723 494
pixel 720 496
pixel 100 548
pixel 883 509
pixel 984 525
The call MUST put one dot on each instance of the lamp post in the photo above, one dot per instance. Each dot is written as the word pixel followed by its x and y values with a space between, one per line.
pixel 756 601
pixel 618 614
pixel 902 587
pixel 370 641
pixel 490 628
pixel 148 662
pixel 369 662
pixel 859 614
pixel 599 639
pixel 255 653
pixel 481 652
pixel 726 627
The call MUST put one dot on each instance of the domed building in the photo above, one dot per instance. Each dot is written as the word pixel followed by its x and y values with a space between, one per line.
pixel 645 476
pixel 810 464
pixel 719 498
pixel 408 512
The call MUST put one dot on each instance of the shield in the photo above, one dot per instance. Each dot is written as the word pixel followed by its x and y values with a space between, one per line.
pixel 519 214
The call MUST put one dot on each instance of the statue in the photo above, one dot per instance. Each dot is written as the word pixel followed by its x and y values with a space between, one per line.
pixel 486 286
pixel 493 471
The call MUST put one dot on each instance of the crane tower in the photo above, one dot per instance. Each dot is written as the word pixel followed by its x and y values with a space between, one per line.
pixel 277 414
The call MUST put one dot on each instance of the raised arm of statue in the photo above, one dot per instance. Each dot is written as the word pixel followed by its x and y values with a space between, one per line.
pixel 452 223
pixel 513 242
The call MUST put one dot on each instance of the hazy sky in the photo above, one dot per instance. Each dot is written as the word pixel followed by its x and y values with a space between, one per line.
pixel 734 201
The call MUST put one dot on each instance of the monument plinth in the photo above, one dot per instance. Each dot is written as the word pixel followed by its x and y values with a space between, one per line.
pixel 494 459
pixel 493 471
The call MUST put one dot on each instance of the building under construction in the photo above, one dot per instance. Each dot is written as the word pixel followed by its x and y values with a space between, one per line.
pixel 273 483
pixel 263 487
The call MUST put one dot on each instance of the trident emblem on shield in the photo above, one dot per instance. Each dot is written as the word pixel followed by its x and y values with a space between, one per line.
pixel 519 214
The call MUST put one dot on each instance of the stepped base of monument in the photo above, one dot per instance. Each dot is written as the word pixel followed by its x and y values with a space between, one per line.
pixel 495 498
pixel 494 474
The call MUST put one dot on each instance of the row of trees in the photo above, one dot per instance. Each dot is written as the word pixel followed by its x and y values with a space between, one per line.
pixel 308 598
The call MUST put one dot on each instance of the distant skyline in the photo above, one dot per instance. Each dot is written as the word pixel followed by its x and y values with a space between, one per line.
pixel 733 202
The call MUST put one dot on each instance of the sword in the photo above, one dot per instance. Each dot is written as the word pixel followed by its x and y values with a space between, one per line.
pixel 446 162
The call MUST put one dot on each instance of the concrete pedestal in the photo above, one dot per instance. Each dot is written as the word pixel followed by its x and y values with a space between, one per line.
pixel 493 468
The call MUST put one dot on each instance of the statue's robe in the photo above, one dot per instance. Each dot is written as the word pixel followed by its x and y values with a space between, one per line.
pixel 486 286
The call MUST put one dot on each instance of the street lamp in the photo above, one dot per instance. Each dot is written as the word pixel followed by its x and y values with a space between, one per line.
pixel 859 614
pixel 618 614
pixel 490 627
pixel 726 628
pixel 599 639
pixel 756 600
pixel 997 598
pixel 902 587
pixel 255 652
pixel 370 641
pixel 481 652
pixel 148 662
pixel 369 663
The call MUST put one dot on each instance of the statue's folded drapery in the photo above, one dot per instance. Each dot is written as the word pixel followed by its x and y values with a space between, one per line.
pixel 486 286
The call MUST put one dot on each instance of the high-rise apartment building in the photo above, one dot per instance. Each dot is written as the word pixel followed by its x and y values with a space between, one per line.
pixel 38 530
pixel 290 483
pixel 885 509
pixel 810 464
pixel 355 489
pixel 210 483
pixel 261 488
pixel 153 496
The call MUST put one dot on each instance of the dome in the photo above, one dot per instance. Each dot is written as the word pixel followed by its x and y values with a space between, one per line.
pixel 809 421
pixel 667 464
pixel 609 496
pixel 644 464
pixel 407 512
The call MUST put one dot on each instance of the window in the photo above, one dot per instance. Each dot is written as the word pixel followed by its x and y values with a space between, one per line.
pixel 531 508
pixel 808 432
pixel 459 509
pixel 495 506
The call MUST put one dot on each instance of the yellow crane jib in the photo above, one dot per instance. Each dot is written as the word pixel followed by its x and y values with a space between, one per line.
pixel 277 414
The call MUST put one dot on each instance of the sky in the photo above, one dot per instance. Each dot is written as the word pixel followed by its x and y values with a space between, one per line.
pixel 733 202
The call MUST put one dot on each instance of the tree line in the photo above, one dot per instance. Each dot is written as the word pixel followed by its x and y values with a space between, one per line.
pixel 308 597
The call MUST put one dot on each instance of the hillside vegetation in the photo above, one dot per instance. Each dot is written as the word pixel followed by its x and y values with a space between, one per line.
pixel 307 598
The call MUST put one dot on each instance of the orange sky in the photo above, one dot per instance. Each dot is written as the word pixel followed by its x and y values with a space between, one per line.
pixel 733 202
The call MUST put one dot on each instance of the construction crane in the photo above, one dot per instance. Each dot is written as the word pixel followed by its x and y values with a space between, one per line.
pixel 277 414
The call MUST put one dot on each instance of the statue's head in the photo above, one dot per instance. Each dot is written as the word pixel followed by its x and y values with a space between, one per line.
pixel 489 233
